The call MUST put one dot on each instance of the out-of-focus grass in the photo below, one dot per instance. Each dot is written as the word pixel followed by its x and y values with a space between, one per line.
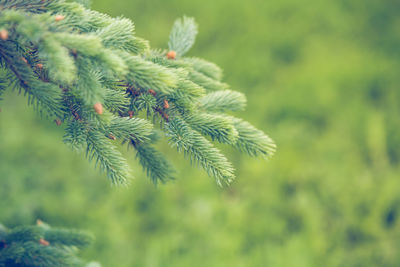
pixel 321 78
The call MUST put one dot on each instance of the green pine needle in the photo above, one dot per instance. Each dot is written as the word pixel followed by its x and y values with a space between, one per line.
pixel 90 71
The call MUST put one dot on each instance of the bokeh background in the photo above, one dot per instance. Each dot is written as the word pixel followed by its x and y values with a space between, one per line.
pixel 322 79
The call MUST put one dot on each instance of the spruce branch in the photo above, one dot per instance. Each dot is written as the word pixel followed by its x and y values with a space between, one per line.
pixel 34 6
pixel 155 164
pixel 208 83
pixel 253 141
pixel 40 245
pixel 183 35
pixel 126 129
pixel 66 237
pixel 145 74
pixel 200 151
pixel 75 135
pixel 221 101
pixel 209 69
pixel 107 157
pixel 217 127
pixel 91 72
pixel 120 35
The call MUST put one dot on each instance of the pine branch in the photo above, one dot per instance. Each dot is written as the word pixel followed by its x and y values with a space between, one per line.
pixel 156 166
pixel 90 71
pixel 43 96
pixel 209 69
pixel 222 101
pixel 216 126
pixel 145 74
pixel 120 35
pixel 34 6
pixel 75 135
pixel 60 64
pixel 253 141
pixel 183 35
pixel 116 100
pixel 41 245
pixel 88 85
pixel 199 150
pixel 66 237
pixel 130 128
pixel 108 157
pixel 208 83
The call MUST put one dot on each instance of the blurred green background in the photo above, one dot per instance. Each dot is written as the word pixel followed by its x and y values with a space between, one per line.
pixel 322 79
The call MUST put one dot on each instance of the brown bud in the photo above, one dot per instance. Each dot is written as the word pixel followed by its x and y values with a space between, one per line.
pixel 44 242
pixel 24 60
pixel 39 222
pixel 112 137
pixel 98 107
pixel 39 66
pixel 58 122
pixel 76 115
pixel 151 91
pixel 130 113
pixel 3 34
pixel 166 104
pixel 59 17
pixel 171 55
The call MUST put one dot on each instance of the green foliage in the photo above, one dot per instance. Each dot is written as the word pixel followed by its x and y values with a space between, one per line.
pixel 321 76
pixel 91 72
pixel 199 150
pixel 107 156
pixel 218 127
pixel 41 245
pixel 156 166
pixel 183 35
pixel 223 100
pixel 252 141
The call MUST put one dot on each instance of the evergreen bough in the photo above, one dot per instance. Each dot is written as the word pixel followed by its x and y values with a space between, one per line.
pixel 42 246
pixel 91 73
